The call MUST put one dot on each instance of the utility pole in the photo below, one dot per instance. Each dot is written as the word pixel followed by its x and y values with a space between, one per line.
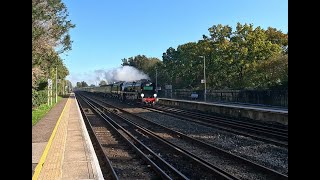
pixel 49 91
pixel 56 84
pixel 204 78
pixel 156 80
pixel 205 81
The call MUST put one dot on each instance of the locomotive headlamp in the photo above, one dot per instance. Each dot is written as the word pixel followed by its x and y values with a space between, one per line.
pixel 142 95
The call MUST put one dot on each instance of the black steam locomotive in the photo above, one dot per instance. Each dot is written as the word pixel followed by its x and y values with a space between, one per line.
pixel 140 91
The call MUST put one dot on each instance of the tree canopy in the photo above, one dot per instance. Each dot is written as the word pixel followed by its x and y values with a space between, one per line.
pixel 247 57
pixel 82 84
pixel 50 38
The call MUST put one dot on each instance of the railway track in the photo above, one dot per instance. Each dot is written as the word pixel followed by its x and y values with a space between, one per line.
pixel 190 166
pixel 270 134
pixel 221 160
pixel 119 152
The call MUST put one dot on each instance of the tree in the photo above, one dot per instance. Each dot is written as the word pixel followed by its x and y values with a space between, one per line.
pixel 248 47
pixel 125 62
pixel 271 73
pixel 37 74
pixel 84 84
pixel 103 82
pixel 79 84
pixel 68 86
pixel 188 66
pixel 277 37
pixel 247 57
pixel 169 59
pixel 50 26
pixel 141 62
pixel 50 35
pixel 239 51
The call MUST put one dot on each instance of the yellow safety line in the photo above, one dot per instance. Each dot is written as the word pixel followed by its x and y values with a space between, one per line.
pixel 44 154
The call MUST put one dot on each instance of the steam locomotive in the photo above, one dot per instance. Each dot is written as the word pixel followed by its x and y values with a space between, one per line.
pixel 141 91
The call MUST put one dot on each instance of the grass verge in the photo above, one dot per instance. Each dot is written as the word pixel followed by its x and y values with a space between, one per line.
pixel 41 111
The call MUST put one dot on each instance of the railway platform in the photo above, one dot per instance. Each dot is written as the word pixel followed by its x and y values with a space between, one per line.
pixel 61 146
pixel 266 114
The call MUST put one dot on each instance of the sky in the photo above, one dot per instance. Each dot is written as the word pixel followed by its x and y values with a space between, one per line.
pixel 109 30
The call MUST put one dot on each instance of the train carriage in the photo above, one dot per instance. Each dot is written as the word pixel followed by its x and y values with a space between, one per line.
pixel 141 91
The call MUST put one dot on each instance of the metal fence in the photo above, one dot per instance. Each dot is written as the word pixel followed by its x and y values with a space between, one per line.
pixel 258 97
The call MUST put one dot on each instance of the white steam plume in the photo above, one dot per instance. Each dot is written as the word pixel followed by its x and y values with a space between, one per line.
pixel 99 75
pixel 124 73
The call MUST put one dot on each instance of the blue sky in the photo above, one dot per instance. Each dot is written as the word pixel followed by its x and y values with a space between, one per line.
pixel 109 30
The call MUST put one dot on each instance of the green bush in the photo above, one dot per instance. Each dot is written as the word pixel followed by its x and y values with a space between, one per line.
pixel 38 98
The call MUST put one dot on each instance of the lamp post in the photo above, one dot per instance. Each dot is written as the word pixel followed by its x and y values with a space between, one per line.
pixel 156 80
pixel 204 77
pixel 56 84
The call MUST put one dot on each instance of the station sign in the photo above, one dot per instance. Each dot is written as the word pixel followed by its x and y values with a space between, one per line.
pixel 49 83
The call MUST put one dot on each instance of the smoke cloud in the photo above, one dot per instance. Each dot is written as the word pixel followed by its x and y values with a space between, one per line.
pixel 124 73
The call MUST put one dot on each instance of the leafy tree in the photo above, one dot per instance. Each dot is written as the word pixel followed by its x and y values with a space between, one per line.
pixel 140 62
pixel 271 73
pixel 103 82
pixel 143 63
pixel 84 84
pixel 68 86
pixel 188 65
pixel 79 84
pixel 238 51
pixel 50 26
pixel 37 74
pixel 246 57
pixel 277 37
pixel 169 59
pixel 125 62
pixel 50 37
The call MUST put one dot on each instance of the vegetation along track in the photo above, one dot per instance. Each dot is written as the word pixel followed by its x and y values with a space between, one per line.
pixel 211 155
pixel 255 130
